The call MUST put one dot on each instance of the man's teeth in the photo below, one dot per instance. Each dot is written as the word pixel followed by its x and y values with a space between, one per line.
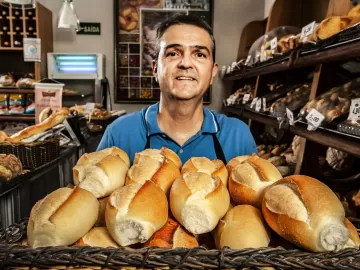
pixel 185 78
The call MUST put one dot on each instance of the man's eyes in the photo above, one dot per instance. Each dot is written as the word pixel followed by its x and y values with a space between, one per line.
pixel 197 54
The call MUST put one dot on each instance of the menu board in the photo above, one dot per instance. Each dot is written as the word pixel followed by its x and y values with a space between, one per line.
pixel 136 25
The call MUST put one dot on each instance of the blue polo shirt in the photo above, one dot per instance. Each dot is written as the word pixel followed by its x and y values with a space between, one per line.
pixel 129 133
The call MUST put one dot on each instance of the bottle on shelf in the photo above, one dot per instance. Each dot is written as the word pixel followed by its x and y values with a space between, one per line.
pixel 4 13
pixel 5 28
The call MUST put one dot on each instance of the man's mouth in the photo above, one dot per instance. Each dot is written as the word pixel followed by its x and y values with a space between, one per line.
pixel 182 78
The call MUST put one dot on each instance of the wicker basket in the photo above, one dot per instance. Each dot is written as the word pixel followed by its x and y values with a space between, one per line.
pixel 33 155
pixel 16 256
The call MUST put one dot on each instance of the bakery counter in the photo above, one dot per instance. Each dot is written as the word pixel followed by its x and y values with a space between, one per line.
pixel 16 199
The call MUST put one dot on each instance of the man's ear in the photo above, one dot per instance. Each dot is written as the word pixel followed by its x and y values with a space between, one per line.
pixel 154 69
pixel 214 72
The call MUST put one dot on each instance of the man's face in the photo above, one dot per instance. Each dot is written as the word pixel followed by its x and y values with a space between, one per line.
pixel 185 66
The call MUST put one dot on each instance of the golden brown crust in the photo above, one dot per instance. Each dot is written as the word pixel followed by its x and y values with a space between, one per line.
pixel 354 236
pixel 354 12
pixel 241 194
pixel 235 162
pixel 332 25
pixel 97 237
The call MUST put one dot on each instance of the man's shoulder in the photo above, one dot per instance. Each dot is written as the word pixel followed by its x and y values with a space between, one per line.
pixel 229 123
pixel 129 122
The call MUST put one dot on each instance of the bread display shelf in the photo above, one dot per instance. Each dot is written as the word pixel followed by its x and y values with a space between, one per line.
pixel 17 117
pixel 24 257
pixel 11 90
pixel 343 52
pixel 323 136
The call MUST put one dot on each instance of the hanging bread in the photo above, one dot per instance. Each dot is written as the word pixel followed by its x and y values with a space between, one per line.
pixel 198 201
pixel 248 180
pixel 159 166
pixel 97 237
pixel 202 164
pixel 242 227
pixel 62 217
pixel 307 213
pixel 172 235
pixel 101 172
pixel 135 212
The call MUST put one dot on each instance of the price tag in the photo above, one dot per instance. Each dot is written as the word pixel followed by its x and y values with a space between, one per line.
pixel 246 98
pixel 89 108
pixel 258 105
pixel 307 30
pixel 253 102
pixel 264 104
pixel 262 54
pixel 290 116
pixel 247 60
pixel 354 113
pixel 273 45
pixel 314 119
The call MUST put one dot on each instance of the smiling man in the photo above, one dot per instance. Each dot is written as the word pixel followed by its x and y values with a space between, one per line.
pixel 184 68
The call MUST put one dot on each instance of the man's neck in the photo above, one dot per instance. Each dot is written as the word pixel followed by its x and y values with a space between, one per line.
pixel 180 119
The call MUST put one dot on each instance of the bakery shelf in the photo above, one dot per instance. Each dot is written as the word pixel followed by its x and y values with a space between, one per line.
pixel 342 52
pixel 323 136
pixel 17 117
pixel 77 95
pixel 11 90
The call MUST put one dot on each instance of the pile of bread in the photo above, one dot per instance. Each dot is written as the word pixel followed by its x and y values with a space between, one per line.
pixel 160 202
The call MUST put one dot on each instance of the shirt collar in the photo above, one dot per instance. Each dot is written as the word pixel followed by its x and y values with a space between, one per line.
pixel 210 124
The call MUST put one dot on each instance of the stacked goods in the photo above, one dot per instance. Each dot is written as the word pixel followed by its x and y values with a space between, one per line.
pixel 300 209
pixel 10 167
pixel 238 96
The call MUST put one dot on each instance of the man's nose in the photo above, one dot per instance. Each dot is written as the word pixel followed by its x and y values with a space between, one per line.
pixel 186 61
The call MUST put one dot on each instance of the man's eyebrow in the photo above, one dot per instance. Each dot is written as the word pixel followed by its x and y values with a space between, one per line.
pixel 198 47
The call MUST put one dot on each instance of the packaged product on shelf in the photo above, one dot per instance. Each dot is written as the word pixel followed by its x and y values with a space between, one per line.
pixel 6 80
pixel 26 81
pixel 294 100
pixel 30 104
pixel 16 103
pixel 3 103
pixel 242 95
pixel 335 103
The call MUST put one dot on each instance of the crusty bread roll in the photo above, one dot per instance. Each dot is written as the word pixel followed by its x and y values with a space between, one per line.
pixel 101 172
pixel 235 162
pixel 172 235
pixel 306 212
pixel 354 239
pixel 354 12
pixel 97 237
pixel 198 201
pixel 242 227
pixel 3 136
pixel 248 180
pixel 62 217
pixel 154 165
pixel 332 25
pixel 100 222
pixel 135 212
pixel 52 121
pixel 202 164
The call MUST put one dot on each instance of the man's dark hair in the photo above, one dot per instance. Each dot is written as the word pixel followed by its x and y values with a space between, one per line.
pixel 183 19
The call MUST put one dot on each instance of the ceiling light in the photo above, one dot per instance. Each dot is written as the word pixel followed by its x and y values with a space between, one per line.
pixel 68 18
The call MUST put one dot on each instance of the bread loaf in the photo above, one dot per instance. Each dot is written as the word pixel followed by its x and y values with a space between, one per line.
pixel 52 121
pixel 3 136
pixel 172 235
pixel 10 167
pixel 198 201
pixel 97 237
pixel 354 12
pixel 248 180
pixel 235 162
pixel 306 212
pixel 155 165
pixel 62 217
pixel 135 212
pixel 354 239
pixel 203 164
pixel 242 227
pixel 332 25
pixel 101 172
pixel 100 222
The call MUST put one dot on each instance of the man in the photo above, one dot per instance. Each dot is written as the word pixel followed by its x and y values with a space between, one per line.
pixel 184 68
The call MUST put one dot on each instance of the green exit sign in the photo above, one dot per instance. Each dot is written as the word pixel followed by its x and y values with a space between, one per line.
pixel 89 28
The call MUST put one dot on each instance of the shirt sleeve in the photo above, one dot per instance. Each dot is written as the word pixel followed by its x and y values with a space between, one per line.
pixel 106 141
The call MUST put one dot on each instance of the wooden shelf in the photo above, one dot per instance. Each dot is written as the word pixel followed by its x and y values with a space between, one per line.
pixel 342 52
pixel 338 140
pixel 4 90
pixel 15 117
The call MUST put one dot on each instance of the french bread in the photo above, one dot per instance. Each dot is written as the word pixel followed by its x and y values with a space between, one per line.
pixel 97 237
pixel 307 213
pixel 135 212
pixel 165 152
pixel 154 165
pixel 248 180
pixel 62 217
pixel 212 167
pixel 354 239
pixel 332 25
pixel 235 162
pixel 100 222
pixel 101 172
pixel 52 121
pixel 172 235
pixel 242 227
pixel 198 201
pixel 3 136
pixel 354 12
